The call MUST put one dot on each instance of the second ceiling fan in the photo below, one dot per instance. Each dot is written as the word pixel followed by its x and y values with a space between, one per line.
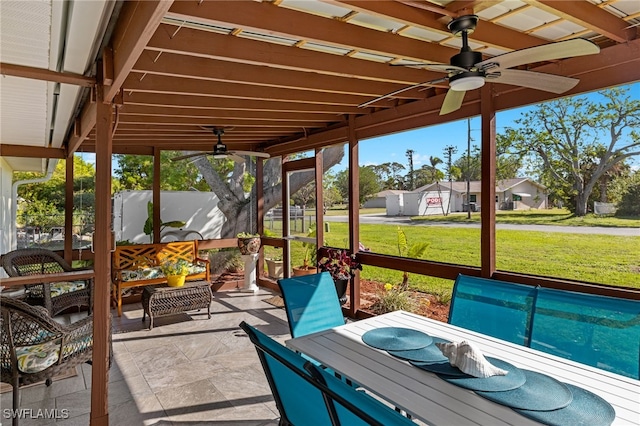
pixel 220 150
pixel 467 71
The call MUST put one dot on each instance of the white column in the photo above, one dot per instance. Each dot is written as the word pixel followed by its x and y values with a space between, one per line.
pixel 250 272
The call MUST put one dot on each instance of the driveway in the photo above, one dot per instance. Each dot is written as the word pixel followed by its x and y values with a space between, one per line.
pixel 404 220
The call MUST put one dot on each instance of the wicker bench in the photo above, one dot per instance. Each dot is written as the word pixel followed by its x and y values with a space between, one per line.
pixel 164 300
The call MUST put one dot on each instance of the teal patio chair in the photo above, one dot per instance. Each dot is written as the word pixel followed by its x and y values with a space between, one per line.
pixel 298 400
pixel 311 303
pixel 596 330
pixel 492 307
pixel 307 395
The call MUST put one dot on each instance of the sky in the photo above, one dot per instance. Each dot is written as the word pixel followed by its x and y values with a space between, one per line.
pixel 431 141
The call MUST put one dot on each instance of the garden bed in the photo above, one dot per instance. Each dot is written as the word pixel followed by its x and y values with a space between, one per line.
pixel 427 304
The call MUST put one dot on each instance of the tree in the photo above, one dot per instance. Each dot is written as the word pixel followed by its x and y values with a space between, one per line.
pixel 368 183
pixel 389 175
pixel 135 172
pixel 409 154
pixel 577 140
pixel 626 192
pixel 43 202
pixel 438 175
pixel 236 202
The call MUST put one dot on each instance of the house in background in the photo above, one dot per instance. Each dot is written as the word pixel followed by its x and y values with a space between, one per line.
pixel 511 194
pixel 380 199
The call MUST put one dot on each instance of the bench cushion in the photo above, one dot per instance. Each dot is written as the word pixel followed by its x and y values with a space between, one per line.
pixel 57 289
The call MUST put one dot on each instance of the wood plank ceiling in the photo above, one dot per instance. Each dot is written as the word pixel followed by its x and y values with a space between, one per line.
pixel 285 75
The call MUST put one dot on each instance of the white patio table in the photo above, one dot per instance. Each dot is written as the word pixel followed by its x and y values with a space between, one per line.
pixel 427 397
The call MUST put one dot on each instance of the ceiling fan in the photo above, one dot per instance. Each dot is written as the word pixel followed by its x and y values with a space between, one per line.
pixel 220 150
pixel 467 70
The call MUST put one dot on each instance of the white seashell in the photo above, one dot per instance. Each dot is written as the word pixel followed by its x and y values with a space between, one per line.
pixel 469 359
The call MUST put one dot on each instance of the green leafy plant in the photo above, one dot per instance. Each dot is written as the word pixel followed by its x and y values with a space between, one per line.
pixel 310 251
pixel 175 267
pixel 148 224
pixel 415 251
pixel 393 298
pixel 247 235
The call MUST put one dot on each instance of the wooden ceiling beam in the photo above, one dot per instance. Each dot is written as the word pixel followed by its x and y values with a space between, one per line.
pixel 238 130
pixel 430 7
pixel 29 151
pixel 171 100
pixel 243 50
pixel 590 16
pixel 163 84
pixel 486 32
pixel 46 75
pixel 173 65
pixel 271 19
pixel 219 113
pixel 137 22
pixel 228 121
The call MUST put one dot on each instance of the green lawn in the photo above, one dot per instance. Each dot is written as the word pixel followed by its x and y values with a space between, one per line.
pixel 605 259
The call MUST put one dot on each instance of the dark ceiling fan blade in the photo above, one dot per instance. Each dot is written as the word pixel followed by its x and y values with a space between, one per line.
pixel 535 80
pixel 404 89
pixel 452 102
pixel 250 153
pixel 184 157
pixel 547 52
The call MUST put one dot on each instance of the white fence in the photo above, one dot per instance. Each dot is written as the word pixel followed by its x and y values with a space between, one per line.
pixel 604 208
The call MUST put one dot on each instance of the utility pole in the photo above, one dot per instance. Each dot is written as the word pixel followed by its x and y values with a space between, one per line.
pixel 468 168
pixel 448 154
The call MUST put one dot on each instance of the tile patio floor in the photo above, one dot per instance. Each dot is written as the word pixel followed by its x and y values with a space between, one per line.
pixel 186 371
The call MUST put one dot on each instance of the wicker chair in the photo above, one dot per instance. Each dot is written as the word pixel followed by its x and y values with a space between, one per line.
pixel 34 347
pixel 55 297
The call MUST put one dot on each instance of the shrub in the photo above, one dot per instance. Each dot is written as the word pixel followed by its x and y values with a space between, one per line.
pixel 393 298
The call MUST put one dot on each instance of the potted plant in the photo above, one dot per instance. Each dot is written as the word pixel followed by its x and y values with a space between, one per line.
pixel 175 271
pixel 275 266
pixel 309 256
pixel 248 243
pixel 342 268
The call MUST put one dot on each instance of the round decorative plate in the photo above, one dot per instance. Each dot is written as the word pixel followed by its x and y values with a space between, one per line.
pixel 586 408
pixel 428 354
pixel 512 380
pixel 540 392
pixel 396 338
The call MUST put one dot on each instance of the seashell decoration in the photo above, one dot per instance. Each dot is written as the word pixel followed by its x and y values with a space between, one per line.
pixel 469 359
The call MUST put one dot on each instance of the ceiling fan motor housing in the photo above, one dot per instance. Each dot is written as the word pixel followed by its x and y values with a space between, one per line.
pixel 466 59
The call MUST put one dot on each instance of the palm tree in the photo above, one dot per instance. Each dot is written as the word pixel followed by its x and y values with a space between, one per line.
pixel 437 175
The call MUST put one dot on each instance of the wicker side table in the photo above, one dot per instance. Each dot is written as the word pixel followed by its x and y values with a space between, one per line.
pixel 164 300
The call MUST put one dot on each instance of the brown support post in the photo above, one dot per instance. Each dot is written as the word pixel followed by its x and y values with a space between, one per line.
pixel 354 213
pixel 488 184
pixel 156 195
pixel 68 210
pixel 260 211
pixel 102 262
pixel 319 200
pixel 285 218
